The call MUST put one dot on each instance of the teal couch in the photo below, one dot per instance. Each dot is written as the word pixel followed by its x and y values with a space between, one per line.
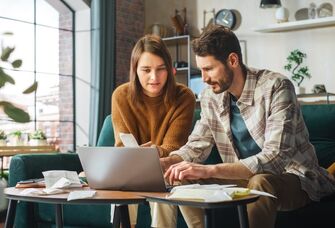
pixel 320 120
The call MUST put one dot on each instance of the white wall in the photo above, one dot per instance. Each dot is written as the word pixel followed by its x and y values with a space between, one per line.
pixel 83 75
pixel 264 50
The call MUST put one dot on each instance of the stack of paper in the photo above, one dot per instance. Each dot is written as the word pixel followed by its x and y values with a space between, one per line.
pixel 211 193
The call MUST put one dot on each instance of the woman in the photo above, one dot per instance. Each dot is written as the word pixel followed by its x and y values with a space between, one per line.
pixel 153 107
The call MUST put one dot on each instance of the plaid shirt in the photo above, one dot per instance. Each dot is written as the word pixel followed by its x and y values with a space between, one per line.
pixel 271 112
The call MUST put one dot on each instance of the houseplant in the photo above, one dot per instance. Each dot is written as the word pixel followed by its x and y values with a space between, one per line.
pixel 37 138
pixel 298 72
pixel 3 138
pixel 15 138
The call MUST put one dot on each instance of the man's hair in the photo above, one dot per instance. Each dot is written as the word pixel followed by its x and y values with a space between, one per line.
pixel 154 45
pixel 218 41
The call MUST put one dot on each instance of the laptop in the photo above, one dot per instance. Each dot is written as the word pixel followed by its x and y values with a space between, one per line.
pixel 123 168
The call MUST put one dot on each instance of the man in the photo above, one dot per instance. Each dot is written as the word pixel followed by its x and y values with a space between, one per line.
pixel 255 121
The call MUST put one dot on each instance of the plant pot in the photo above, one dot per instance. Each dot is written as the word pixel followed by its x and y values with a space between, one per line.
pixel 15 141
pixel 3 142
pixel 299 90
pixel 38 142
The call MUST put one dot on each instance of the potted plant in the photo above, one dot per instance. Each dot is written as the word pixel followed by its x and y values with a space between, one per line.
pixel 3 138
pixel 15 138
pixel 37 138
pixel 298 72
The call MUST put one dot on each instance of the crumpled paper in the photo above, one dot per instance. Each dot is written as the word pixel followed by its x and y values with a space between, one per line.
pixel 61 179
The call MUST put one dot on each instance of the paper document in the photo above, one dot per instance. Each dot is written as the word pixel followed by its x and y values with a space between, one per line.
pixel 128 140
pixel 212 193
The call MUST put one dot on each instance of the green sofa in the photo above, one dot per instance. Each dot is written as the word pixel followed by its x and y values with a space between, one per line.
pixel 320 120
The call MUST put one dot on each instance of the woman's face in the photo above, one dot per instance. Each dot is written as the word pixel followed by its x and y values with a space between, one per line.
pixel 152 74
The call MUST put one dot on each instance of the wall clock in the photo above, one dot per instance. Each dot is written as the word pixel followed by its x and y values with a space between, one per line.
pixel 226 18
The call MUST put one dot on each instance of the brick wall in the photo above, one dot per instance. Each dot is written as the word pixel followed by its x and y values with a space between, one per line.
pixel 65 84
pixel 129 28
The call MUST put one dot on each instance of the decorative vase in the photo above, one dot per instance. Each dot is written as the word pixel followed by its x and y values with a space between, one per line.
pixel 37 142
pixel 282 14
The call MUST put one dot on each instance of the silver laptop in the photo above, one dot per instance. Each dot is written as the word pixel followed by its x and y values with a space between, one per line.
pixel 122 168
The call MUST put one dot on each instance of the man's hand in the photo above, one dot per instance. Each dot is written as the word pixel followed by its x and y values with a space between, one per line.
pixel 166 162
pixel 187 170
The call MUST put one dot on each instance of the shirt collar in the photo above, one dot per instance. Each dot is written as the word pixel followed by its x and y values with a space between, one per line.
pixel 247 96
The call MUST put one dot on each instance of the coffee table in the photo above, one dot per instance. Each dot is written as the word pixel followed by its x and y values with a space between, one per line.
pixel 240 203
pixel 121 198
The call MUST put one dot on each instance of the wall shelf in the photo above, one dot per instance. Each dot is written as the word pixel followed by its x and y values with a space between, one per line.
pixel 298 25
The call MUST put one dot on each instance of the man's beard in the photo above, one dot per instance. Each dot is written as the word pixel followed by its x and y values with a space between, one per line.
pixel 224 85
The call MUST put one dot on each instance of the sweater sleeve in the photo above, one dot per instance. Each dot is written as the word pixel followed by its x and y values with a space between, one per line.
pixel 180 124
pixel 118 122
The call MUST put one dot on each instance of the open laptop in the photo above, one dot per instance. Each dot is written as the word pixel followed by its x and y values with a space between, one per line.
pixel 123 168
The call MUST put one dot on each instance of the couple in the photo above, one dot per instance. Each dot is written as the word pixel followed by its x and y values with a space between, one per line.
pixel 252 116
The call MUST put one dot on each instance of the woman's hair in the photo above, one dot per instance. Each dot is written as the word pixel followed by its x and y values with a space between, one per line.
pixel 154 45
pixel 219 42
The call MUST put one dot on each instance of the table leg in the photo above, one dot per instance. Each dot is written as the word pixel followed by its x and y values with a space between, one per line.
pixel 10 217
pixel 209 218
pixel 116 217
pixel 59 215
pixel 124 214
pixel 243 216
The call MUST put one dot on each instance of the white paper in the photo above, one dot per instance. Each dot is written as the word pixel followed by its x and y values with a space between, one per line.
pixel 211 193
pixel 201 195
pixel 128 140
pixel 75 195
pixel 70 179
pixel 45 191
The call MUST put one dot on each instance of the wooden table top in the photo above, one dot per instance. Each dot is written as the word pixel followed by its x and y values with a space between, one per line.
pixel 101 197
pixel 13 150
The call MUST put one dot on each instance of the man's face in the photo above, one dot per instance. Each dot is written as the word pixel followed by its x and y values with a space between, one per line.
pixel 216 74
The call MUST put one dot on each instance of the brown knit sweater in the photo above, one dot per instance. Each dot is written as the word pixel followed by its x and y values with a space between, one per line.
pixel 165 127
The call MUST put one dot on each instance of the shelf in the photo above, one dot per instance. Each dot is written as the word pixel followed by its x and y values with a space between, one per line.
pixel 298 25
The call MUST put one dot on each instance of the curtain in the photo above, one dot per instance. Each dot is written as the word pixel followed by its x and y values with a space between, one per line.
pixel 103 19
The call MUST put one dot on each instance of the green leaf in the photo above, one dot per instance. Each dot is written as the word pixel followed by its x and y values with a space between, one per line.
pixel 5 78
pixel 6 53
pixel 17 114
pixel 31 89
pixel 17 63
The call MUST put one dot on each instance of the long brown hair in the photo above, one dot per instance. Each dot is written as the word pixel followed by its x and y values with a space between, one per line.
pixel 154 45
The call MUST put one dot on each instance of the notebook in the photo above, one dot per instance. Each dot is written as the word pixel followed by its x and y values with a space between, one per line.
pixel 123 168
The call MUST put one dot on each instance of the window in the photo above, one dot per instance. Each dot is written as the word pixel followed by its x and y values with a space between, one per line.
pixel 44 40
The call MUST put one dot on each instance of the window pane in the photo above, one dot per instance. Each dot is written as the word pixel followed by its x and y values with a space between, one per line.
pixel 13 94
pixel 18 9
pixel 47 48
pixel 53 13
pixel 47 97
pixel 22 40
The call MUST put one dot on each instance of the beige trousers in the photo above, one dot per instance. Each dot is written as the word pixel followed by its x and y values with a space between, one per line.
pixel 162 215
pixel 261 213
